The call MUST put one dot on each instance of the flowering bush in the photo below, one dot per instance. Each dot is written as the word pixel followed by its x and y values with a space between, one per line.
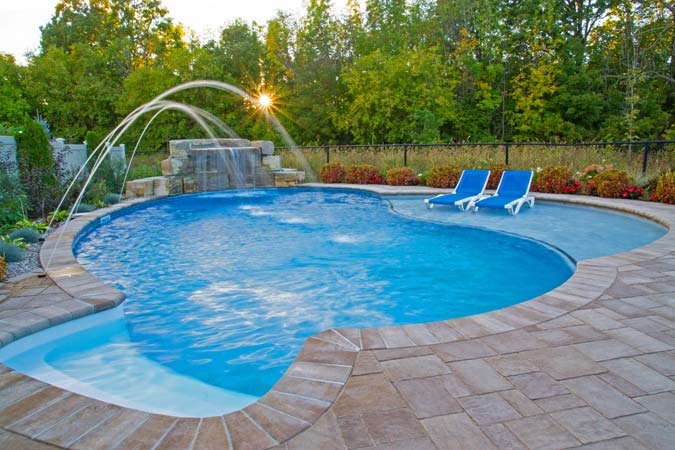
pixel 589 172
pixel 610 183
pixel 332 172
pixel 573 187
pixel 363 174
pixel 377 179
pixel 445 176
pixel 3 269
pixel 665 188
pixel 401 176
pixel 553 180
pixel 633 192
pixel 496 171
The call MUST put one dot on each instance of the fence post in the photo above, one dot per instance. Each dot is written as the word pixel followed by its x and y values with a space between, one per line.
pixel 327 154
pixel 506 153
pixel 405 155
pixel 644 158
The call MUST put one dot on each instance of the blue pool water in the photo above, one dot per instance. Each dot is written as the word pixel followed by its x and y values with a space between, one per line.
pixel 223 289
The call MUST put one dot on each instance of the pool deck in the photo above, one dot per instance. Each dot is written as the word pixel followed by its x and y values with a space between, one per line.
pixel 588 365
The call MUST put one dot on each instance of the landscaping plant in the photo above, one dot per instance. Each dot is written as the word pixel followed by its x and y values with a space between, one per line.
pixel 27 234
pixel 553 180
pixel 665 188
pixel 3 269
pixel 611 183
pixel 332 172
pixel 362 174
pixel 445 176
pixel 401 176
pixel 10 252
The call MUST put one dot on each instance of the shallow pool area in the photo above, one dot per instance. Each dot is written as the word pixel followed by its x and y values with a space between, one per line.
pixel 222 270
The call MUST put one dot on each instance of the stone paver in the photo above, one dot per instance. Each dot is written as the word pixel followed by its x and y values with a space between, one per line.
pixel 590 365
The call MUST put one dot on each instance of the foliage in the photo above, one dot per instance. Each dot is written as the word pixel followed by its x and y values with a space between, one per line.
pixel 58 216
pixel 401 176
pixel 29 235
pixel 392 71
pixel 84 208
pixel 13 200
pixel 3 269
pixel 144 171
pixel 10 251
pixel 665 188
pixel 496 171
pixel 111 199
pixel 611 183
pixel 553 180
pixel 362 174
pixel 332 172
pixel 40 227
pixel 37 168
pixel 633 192
pixel 445 176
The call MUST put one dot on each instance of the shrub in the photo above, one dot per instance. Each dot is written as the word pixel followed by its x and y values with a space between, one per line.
pixel 445 176
pixel 3 269
pixel 401 176
pixel 332 172
pixel 85 208
pixel 589 172
pixel 111 199
pixel 11 252
pixel 611 183
pixel 363 174
pixel 58 216
pixel 37 167
pixel 553 180
pixel 40 227
pixel 633 192
pixel 14 202
pixel 29 235
pixel 496 171
pixel 665 188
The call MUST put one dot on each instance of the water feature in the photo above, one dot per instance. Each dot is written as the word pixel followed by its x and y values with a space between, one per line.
pixel 160 104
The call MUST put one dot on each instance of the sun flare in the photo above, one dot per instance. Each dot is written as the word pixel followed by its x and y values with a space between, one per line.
pixel 264 101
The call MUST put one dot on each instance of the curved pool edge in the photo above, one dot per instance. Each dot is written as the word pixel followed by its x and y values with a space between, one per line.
pixel 328 360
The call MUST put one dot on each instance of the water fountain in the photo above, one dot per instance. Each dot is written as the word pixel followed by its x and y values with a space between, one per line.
pixel 203 165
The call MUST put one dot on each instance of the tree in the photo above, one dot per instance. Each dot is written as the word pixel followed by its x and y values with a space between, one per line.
pixel 13 105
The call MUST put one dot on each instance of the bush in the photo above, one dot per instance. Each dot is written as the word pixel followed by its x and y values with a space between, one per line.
pixel 3 269
pixel 611 183
pixel 11 252
pixel 58 216
pixel 144 171
pixel 332 172
pixel 111 199
pixel 85 208
pixel 29 235
pixel 445 176
pixel 363 174
pixel 665 188
pixel 553 180
pixel 37 167
pixel 401 176
pixel 13 200
pixel 496 171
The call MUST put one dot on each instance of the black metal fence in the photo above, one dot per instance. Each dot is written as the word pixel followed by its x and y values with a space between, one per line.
pixel 636 157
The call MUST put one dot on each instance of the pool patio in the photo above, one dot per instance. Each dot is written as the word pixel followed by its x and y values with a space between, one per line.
pixel 588 365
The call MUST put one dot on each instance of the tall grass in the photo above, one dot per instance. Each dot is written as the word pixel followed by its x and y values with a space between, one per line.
pixel 521 156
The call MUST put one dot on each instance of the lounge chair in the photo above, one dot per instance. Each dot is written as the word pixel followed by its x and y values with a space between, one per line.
pixel 471 186
pixel 511 193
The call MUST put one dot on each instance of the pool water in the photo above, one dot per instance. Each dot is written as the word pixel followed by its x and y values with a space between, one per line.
pixel 224 288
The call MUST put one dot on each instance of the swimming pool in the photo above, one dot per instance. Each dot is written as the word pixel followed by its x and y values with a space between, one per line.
pixel 219 284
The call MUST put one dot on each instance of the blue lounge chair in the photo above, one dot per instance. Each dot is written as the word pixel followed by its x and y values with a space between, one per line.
pixel 470 187
pixel 511 193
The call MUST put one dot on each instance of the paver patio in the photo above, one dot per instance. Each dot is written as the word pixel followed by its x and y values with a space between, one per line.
pixel 589 365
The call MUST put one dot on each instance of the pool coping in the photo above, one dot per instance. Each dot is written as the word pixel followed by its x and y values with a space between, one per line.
pixel 326 361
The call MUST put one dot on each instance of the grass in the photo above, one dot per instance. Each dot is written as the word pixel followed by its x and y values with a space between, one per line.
pixel 521 156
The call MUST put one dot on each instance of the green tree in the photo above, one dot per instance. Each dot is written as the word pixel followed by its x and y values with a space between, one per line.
pixel 13 104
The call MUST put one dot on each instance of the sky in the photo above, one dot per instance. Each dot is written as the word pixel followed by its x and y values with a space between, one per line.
pixel 22 19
